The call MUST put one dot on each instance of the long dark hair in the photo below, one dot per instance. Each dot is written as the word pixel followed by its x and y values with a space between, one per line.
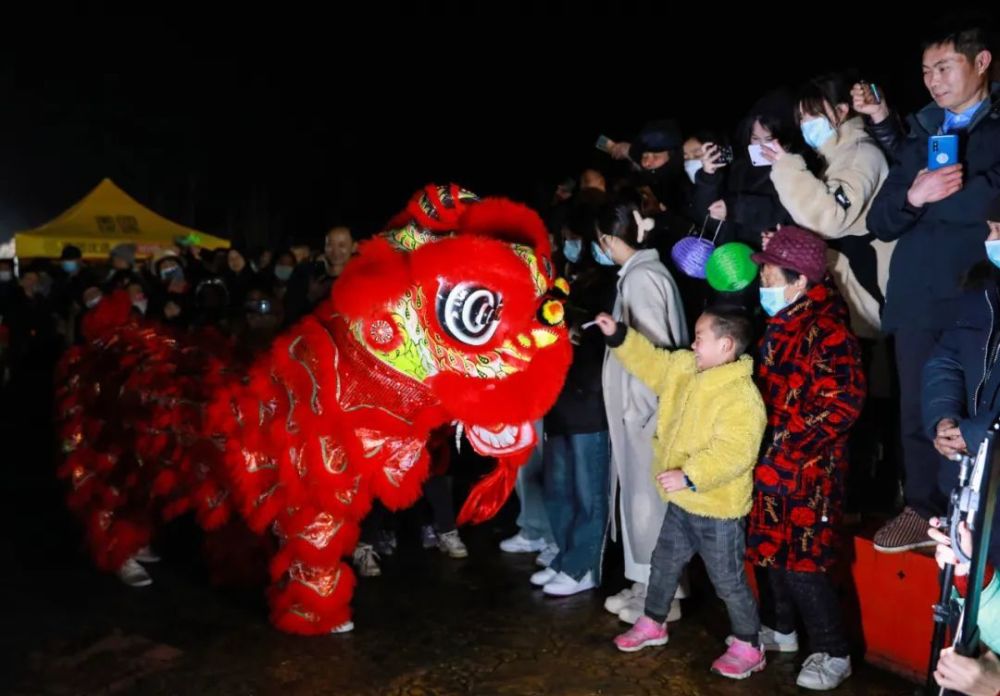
pixel 776 113
pixel 617 218
pixel 832 88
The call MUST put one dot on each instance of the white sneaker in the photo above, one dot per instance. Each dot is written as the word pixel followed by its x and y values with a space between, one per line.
pixel 345 627
pixel 563 585
pixel 631 612
pixel 146 555
pixel 675 611
pixel 547 555
pixel 820 672
pixel 366 561
pixel 774 641
pixel 520 544
pixel 451 544
pixel 543 577
pixel 134 575
pixel 616 602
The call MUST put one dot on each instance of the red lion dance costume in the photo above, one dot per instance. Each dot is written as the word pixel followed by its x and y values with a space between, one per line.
pixel 453 315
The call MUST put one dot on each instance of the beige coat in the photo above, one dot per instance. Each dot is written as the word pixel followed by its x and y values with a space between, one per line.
pixel 836 206
pixel 648 301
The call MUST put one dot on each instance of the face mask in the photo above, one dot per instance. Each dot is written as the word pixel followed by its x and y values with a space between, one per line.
pixel 993 252
pixel 572 249
pixel 692 167
pixel 817 132
pixel 600 256
pixel 141 305
pixel 70 266
pixel 773 300
pixel 175 273
pixel 93 302
pixel 283 273
pixel 6 276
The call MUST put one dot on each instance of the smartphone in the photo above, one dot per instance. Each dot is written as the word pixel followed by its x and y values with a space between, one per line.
pixel 942 151
pixel 757 156
pixel 725 154
pixel 604 143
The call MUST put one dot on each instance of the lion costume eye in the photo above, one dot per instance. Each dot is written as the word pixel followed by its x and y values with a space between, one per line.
pixel 469 313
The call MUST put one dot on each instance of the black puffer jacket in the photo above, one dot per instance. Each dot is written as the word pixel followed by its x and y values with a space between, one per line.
pixel 580 407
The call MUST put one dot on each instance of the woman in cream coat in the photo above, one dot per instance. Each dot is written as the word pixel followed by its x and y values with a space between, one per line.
pixel 648 301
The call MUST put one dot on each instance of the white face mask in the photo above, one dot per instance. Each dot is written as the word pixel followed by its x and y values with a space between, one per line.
pixel 141 305
pixel 93 302
pixel 692 167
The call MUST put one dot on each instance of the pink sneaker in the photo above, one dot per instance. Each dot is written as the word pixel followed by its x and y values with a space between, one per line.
pixel 739 661
pixel 643 634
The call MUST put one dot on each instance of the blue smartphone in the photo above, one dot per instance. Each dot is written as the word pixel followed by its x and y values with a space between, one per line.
pixel 942 151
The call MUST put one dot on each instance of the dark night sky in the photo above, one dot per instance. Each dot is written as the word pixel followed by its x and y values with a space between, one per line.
pixel 286 127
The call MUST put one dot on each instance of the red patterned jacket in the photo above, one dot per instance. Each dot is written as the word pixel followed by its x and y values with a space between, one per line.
pixel 811 378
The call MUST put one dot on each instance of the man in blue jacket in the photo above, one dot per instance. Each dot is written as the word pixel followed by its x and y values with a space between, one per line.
pixel 937 217
pixel 961 385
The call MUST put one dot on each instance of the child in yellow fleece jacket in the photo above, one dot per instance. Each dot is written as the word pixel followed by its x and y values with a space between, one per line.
pixel 708 433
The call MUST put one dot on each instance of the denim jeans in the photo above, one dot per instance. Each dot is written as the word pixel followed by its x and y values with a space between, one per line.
pixel 533 520
pixel 576 497
pixel 722 546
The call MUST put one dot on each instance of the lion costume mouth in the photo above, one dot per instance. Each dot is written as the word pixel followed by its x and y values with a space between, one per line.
pixel 500 440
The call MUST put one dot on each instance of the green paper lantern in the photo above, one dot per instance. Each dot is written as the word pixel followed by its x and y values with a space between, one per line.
pixel 730 268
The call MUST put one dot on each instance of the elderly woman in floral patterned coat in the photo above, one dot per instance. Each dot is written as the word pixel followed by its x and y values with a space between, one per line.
pixel 810 375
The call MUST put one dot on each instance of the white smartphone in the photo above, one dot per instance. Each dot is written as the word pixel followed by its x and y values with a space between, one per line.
pixel 757 156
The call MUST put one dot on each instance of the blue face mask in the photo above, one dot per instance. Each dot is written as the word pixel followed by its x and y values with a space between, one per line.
pixel 283 273
pixel 175 273
pixel 993 252
pixel 817 132
pixel 599 255
pixel 572 249
pixel 70 266
pixel 773 300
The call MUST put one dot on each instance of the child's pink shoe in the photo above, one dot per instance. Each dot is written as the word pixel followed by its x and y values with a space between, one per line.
pixel 643 634
pixel 739 661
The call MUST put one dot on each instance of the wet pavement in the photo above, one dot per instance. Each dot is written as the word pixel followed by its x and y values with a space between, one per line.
pixel 429 626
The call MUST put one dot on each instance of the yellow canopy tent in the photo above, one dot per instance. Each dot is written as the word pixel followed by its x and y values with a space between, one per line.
pixel 105 218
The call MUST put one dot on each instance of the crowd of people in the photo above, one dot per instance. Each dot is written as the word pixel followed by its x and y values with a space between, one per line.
pixel 877 266
pixel 696 421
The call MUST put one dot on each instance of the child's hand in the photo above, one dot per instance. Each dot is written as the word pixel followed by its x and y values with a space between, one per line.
pixel 606 323
pixel 672 480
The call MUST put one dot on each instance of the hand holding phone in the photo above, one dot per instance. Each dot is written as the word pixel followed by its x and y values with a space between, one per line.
pixel 942 151
pixel 757 158
pixel 714 157
pixel 867 99
pixel 934 186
